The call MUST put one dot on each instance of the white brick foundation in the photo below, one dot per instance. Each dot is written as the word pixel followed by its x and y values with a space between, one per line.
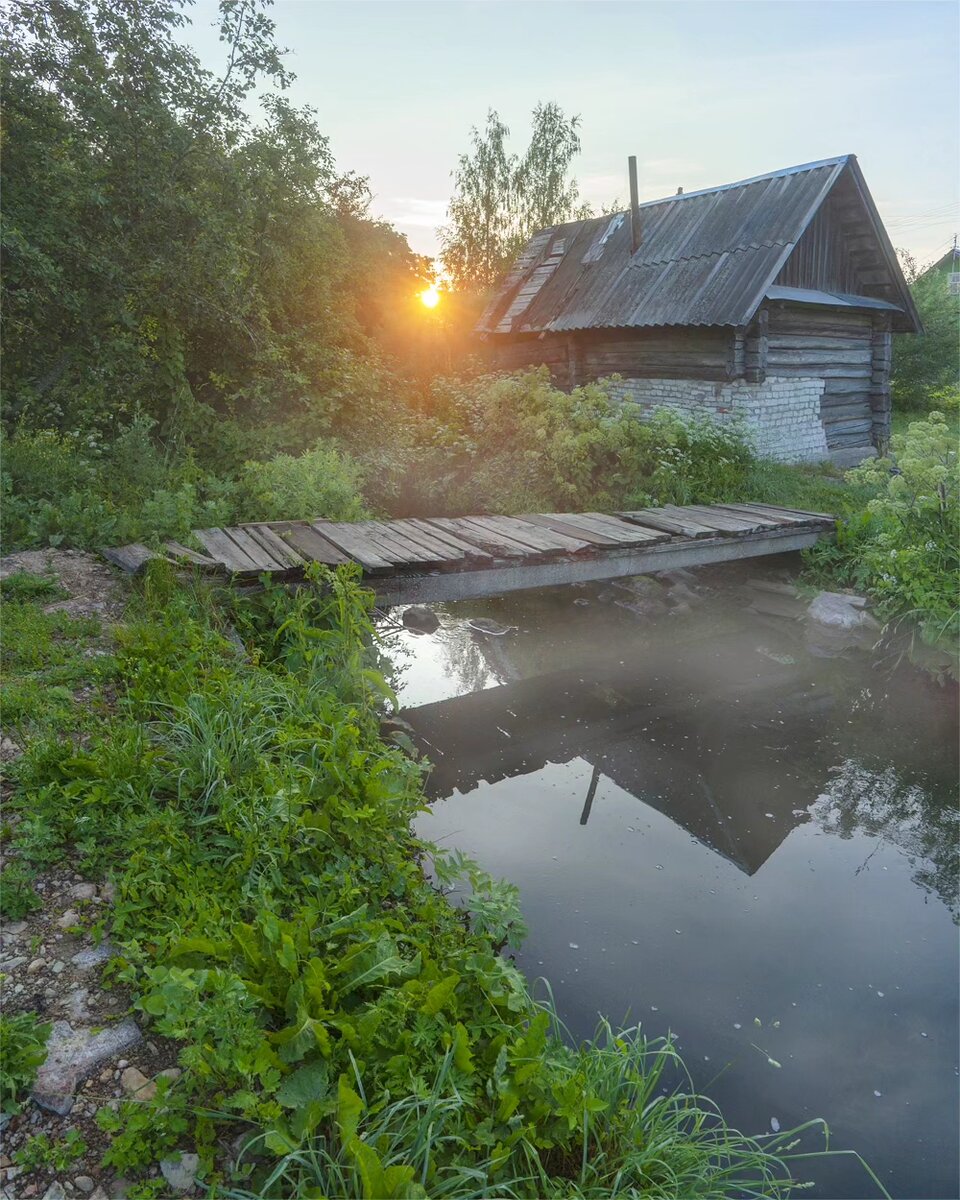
pixel 781 415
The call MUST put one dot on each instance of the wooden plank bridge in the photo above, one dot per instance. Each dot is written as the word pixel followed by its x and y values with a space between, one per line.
pixel 455 558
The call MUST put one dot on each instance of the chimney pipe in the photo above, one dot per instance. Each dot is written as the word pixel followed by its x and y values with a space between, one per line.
pixel 635 231
pixel 679 191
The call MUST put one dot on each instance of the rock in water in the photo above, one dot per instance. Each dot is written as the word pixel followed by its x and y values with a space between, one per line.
pixel 838 622
pixel 838 610
pixel 420 619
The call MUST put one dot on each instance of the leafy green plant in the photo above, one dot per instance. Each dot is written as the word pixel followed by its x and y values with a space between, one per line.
pixel 39 1151
pixel 927 365
pixel 17 894
pixel 140 1133
pixel 23 1041
pixel 322 482
pixel 515 443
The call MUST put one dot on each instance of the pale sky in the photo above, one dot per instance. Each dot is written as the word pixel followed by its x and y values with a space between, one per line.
pixel 702 93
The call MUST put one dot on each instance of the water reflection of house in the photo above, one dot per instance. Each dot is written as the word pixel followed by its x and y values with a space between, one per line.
pixel 713 765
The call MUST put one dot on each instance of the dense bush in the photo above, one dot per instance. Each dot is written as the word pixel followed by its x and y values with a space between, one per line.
pixel 904 548
pixel 515 443
pixel 507 443
pixel 74 490
pixel 320 483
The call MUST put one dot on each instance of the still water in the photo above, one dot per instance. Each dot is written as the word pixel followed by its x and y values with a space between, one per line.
pixel 718 833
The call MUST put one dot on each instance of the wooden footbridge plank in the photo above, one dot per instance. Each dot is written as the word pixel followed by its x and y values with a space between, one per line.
pixel 416 560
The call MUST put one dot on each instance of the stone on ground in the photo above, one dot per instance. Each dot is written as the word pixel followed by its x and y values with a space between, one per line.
pixel 181 1175
pixel 74 1053
pixel 136 1084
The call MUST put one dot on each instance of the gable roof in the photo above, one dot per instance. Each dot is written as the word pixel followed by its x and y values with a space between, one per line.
pixel 705 258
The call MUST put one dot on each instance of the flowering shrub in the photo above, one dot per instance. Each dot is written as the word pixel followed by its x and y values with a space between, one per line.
pixel 907 553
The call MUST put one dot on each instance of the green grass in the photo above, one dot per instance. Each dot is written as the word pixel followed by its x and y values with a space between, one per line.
pixel 820 488
pixel 46 659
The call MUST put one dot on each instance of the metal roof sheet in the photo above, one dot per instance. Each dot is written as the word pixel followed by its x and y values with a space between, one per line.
pixel 833 299
pixel 706 258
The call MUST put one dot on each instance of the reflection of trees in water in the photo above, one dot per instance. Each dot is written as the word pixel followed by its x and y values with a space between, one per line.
pixel 882 805
pixel 392 658
pixel 471 659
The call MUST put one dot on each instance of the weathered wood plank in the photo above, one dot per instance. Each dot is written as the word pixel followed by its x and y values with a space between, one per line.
pixel 496 547
pixel 226 551
pixel 132 559
pixel 442 550
pixel 625 533
pixel 416 553
pixel 490 535
pixel 777 515
pixel 176 551
pixel 253 549
pixel 755 519
pixel 306 541
pixel 444 534
pixel 352 541
pixel 720 522
pixel 799 512
pixel 655 518
pixel 264 536
pixel 544 540
pixel 561 525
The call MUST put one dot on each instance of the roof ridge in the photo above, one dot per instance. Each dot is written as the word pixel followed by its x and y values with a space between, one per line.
pixel 778 174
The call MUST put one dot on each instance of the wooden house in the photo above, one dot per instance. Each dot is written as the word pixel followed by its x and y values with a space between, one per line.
pixel 769 301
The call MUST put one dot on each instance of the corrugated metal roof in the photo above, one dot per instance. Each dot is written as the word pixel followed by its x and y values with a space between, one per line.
pixel 706 258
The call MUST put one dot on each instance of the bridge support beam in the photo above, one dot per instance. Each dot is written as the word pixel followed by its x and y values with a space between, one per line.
pixel 496 581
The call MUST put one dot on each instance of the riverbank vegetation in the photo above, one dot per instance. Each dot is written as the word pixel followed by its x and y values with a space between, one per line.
pixel 358 1033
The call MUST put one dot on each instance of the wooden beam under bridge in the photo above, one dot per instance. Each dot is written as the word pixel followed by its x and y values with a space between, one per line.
pixel 497 581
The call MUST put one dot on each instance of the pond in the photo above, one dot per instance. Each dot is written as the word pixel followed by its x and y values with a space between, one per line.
pixel 719 832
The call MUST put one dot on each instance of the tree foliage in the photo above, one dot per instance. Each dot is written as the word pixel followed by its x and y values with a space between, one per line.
pixel 926 367
pixel 501 198
pixel 161 250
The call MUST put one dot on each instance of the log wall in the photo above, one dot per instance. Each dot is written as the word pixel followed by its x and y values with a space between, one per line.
pixel 838 347
pixel 584 356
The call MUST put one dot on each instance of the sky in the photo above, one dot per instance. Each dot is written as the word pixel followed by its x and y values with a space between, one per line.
pixel 702 94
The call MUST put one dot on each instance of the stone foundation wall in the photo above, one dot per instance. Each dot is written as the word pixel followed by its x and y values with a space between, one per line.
pixel 780 415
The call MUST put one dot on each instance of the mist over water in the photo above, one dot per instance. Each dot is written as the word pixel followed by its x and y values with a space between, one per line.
pixel 720 834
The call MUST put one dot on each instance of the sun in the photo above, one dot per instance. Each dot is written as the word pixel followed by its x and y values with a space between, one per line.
pixel 430 297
